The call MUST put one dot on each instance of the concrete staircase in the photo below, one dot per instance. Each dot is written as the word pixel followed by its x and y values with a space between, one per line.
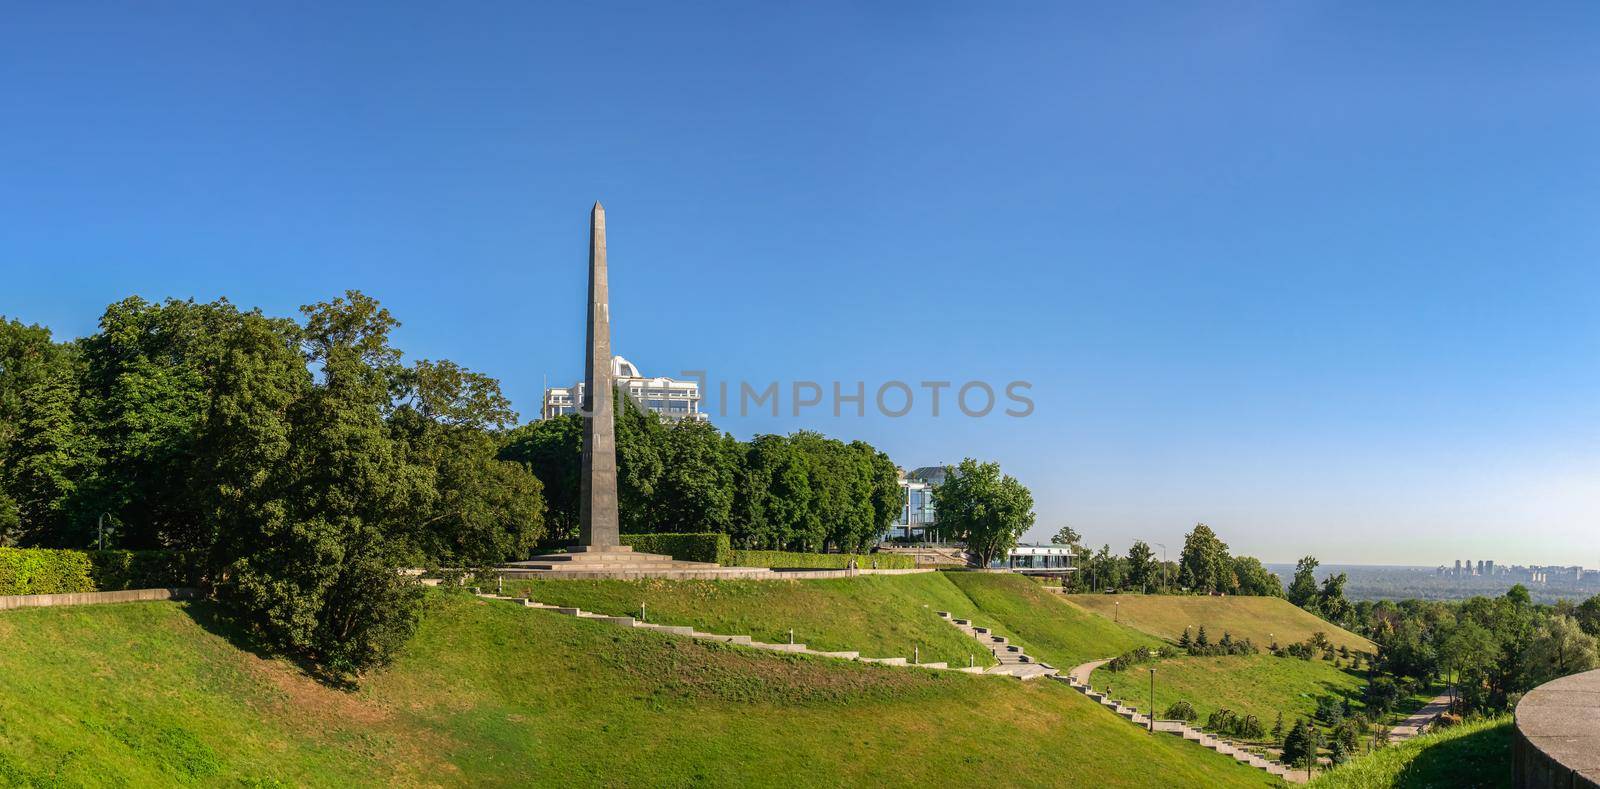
pixel 1010 659
pixel 621 562
pixel 1078 678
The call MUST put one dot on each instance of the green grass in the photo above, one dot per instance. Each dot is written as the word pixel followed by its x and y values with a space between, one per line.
pixel 488 693
pixel 1476 754
pixel 1259 685
pixel 1045 625
pixel 1260 619
pixel 876 615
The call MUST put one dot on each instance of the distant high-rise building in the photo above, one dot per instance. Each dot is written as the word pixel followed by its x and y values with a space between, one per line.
pixel 1490 564
pixel 1458 567
pixel 1480 567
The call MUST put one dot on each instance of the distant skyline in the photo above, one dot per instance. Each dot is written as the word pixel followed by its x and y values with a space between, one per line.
pixel 1321 276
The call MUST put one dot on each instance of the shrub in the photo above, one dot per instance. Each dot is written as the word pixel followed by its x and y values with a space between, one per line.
pixel 689 547
pixel 117 570
pixel 1181 711
pixel 1222 721
pixel 43 571
pixel 1129 659
pixel 1249 728
pixel 824 561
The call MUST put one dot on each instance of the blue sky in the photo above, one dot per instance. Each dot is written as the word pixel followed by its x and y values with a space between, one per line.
pixel 1321 275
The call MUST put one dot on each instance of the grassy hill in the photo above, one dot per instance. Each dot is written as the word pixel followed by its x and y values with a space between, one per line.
pixel 1042 622
pixel 1261 619
pixel 1474 754
pixel 879 616
pixel 1259 685
pixel 159 694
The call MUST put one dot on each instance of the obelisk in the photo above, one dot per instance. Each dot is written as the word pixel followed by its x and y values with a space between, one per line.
pixel 597 508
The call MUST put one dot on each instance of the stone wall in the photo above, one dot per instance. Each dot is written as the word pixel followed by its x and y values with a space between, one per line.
pixel 94 598
pixel 1556 742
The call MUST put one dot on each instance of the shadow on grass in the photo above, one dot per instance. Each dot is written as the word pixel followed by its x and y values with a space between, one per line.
pixel 218 619
pixel 1480 759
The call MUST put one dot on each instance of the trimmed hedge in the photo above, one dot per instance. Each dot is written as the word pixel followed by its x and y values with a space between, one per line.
pixel 117 570
pixel 824 561
pixel 706 547
pixel 43 571
pixel 47 571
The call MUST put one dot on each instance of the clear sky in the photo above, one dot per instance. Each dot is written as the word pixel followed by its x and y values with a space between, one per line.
pixel 1323 275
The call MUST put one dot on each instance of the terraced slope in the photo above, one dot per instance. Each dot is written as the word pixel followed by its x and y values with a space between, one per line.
pixel 1261 619
pixel 1049 627
pixel 1259 685
pixel 161 694
pixel 877 615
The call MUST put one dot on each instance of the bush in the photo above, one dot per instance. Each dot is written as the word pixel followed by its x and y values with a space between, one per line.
pixel 43 571
pixel 117 570
pixel 688 547
pixel 1131 658
pixel 824 561
pixel 1181 711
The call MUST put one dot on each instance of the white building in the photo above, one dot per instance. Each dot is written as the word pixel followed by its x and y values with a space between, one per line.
pixel 674 400
pixel 917 514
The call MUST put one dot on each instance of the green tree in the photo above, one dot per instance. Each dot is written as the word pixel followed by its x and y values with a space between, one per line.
pixel 696 488
pixel 1330 600
pixel 1255 579
pixel 1205 565
pixel 46 460
pixel 1143 570
pixel 987 510
pixel 552 449
pixel 1560 647
pixel 1588 616
pixel 1303 589
pixel 1300 744
pixel 1066 536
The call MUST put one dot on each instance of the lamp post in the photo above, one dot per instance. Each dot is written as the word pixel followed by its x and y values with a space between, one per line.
pixel 1152 699
pixel 1117 616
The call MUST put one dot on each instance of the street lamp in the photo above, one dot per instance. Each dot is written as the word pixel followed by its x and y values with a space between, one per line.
pixel 1117 617
pixel 1152 699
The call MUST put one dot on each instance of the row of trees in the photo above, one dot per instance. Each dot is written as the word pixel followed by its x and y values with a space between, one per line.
pixel 801 492
pixel 299 463
pixel 1204 567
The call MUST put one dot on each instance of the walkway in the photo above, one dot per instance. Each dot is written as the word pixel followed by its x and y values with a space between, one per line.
pixel 1078 678
pixel 1419 720
pixel 1009 658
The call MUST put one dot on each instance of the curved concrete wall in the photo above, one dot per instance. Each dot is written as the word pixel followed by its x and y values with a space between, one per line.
pixel 1557 737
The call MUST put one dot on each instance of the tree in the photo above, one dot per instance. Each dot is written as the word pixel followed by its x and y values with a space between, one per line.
pixel 1330 600
pixel 1143 570
pixel 1255 579
pixel 46 461
pixel 1204 565
pixel 1380 696
pixel 1560 647
pixel 1277 728
pixel 1201 640
pixel 1300 744
pixel 1066 536
pixel 695 493
pixel 1303 589
pixel 552 450
pixel 1588 616
pixel 987 510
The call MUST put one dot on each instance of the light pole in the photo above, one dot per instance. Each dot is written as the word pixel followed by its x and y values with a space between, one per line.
pixel 1117 617
pixel 1152 699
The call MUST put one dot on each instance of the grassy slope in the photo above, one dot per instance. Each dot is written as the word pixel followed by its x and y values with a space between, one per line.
pixel 1045 625
pixel 1475 754
pixel 1261 619
pixel 1259 685
pixel 878 615
pixel 146 694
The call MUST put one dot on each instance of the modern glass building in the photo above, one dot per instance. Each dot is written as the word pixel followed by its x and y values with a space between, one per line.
pixel 917 515
pixel 1037 560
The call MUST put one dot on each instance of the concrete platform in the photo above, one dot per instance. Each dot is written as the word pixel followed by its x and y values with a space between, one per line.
pixel 621 562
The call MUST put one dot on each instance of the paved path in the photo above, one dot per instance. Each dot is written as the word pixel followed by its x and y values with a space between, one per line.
pixel 1081 673
pixel 1419 720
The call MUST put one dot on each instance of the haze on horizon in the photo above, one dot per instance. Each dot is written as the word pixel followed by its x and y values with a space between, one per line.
pixel 1323 277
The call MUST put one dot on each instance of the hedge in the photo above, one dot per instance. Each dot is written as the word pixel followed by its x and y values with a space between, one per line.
pixel 708 547
pixel 47 571
pixel 117 570
pixel 828 561
pixel 41 571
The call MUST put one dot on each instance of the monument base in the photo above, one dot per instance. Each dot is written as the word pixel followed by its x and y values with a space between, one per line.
pixel 620 562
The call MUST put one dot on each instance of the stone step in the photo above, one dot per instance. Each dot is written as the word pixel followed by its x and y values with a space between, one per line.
pixel 741 640
pixel 933 665
pixel 971 669
pixel 840 655
pixel 964 623
pixel 887 661
pixel 943 614
pixel 779 647
pixel 570 611
pixel 625 621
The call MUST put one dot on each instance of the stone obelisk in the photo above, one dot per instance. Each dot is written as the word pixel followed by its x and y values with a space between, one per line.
pixel 597 508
